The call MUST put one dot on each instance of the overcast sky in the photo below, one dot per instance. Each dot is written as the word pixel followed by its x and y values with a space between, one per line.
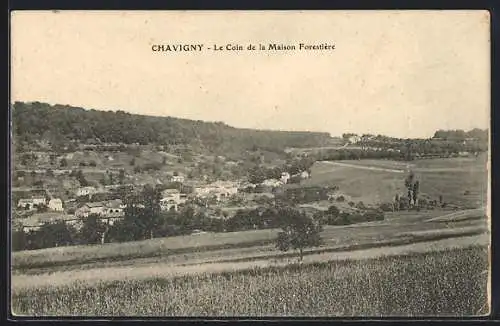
pixel 402 74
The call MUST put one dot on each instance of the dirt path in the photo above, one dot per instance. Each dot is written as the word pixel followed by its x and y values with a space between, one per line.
pixel 355 166
pixel 413 168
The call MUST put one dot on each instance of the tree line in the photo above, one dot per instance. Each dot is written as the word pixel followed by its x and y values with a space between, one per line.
pixel 144 219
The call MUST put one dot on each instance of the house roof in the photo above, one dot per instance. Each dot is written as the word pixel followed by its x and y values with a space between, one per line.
pixel 116 203
pixel 170 191
pixel 40 218
pixel 97 204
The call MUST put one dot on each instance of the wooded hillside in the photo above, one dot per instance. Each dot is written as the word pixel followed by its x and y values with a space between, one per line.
pixel 61 123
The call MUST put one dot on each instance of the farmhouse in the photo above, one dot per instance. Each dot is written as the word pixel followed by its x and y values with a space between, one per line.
pixel 36 221
pixel 271 183
pixel 89 209
pixel 178 178
pixel 219 189
pixel 285 176
pixel 171 198
pixel 55 204
pixel 112 208
pixel 31 203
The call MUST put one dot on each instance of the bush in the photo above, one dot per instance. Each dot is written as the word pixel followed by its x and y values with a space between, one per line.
pixel 360 205
pixel 386 207
pixel 340 198
pixel 373 215
pixel 404 203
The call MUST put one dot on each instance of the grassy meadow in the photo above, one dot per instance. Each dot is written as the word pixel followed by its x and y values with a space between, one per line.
pixel 461 181
pixel 398 228
pixel 442 283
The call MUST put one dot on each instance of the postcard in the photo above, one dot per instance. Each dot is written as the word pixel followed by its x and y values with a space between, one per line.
pixel 250 163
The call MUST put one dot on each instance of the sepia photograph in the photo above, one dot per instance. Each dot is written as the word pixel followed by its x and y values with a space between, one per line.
pixel 250 163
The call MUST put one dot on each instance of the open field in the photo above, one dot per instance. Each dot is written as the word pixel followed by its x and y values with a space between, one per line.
pixel 209 242
pixel 443 283
pixel 461 181
pixel 239 250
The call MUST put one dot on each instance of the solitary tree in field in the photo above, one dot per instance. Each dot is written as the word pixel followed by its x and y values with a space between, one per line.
pixel 396 203
pixel 299 232
pixel 416 188
pixel 410 186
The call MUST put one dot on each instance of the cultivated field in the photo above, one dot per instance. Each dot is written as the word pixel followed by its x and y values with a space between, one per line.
pixel 444 283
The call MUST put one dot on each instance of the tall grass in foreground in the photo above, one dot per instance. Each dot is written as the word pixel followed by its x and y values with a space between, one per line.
pixel 451 282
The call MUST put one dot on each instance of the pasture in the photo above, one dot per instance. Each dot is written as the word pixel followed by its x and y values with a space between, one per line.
pixel 461 181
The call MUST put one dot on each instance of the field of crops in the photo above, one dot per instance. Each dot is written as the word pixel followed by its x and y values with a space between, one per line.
pixel 451 282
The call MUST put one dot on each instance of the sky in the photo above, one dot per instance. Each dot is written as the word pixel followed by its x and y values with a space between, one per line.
pixel 397 73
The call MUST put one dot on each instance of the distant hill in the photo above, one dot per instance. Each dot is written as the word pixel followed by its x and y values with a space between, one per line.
pixel 62 123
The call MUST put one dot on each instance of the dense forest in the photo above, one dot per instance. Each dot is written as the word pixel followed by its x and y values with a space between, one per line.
pixel 62 123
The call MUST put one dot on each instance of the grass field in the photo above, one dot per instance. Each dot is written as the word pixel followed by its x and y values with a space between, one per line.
pixel 461 181
pixel 208 245
pixel 451 282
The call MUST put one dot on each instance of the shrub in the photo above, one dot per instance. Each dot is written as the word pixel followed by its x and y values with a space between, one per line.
pixel 386 207
pixel 360 205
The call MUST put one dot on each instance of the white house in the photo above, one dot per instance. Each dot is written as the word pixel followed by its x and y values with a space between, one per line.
pixel 219 189
pixel 31 203
pixel 25 203
pixel 171 198
pixel 171 194
pixel 354 139
pixel 107 211
pixel 36 221
pixel 285 176
pixel 304 175
pixel 272 183
pixel 113 211
pixel 90 209
pixel 178 178
pixel 56 204
pixel 84 191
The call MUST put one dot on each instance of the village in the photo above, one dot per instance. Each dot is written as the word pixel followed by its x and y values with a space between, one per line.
pixel 72 182
pixel 38 204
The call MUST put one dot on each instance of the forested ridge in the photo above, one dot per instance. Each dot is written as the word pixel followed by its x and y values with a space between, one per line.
pixel 60 123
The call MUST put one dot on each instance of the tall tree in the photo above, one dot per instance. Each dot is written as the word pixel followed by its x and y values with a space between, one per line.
pixel 298 232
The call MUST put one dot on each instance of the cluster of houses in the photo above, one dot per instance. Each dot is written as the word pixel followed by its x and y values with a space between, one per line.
pixel 44 209
pixel 37 202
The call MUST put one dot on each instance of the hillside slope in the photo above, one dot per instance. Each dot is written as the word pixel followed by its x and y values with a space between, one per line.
pixel 61 123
